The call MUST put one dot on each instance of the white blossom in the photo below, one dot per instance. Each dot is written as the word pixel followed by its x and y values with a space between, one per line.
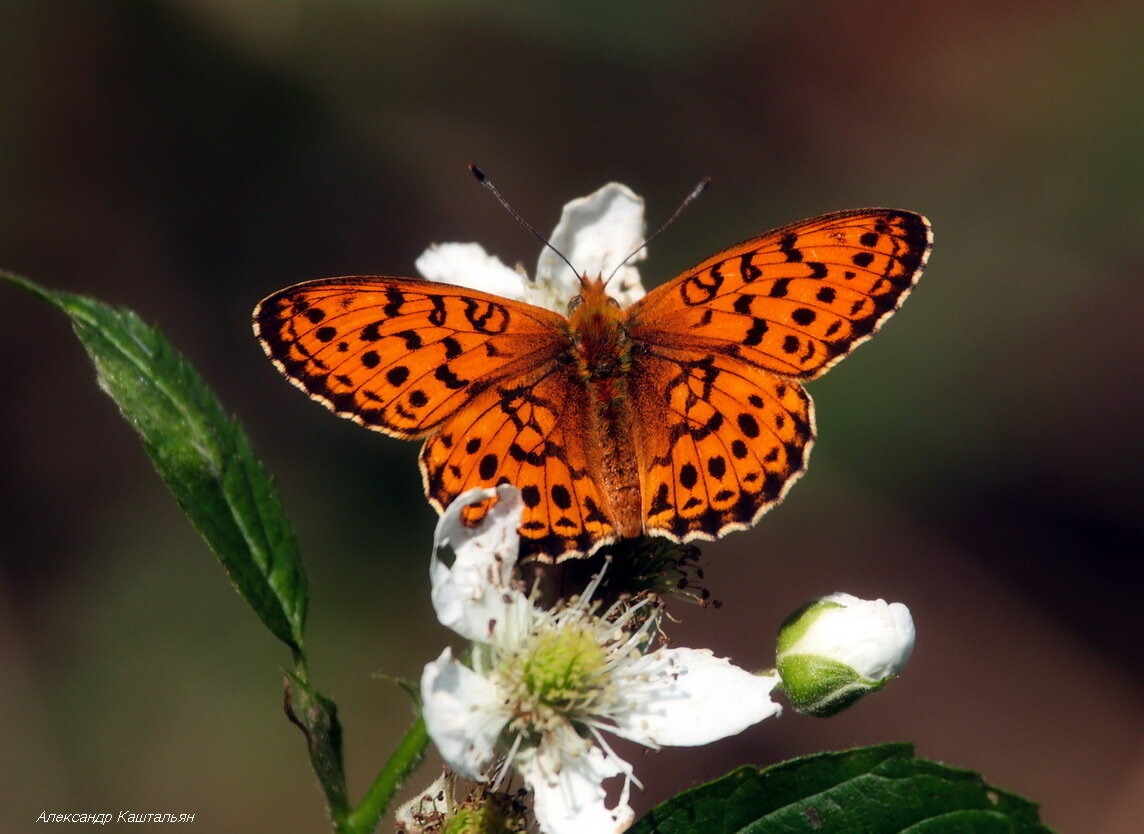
pixel 542 687
pixel 595 233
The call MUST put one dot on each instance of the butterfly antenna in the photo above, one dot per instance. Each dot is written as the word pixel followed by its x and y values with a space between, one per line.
pixel 688 200
pixel 487 183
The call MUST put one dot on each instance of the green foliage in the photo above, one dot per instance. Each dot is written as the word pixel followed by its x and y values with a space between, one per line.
pixel 317 717
pixel 874 790
pixel 200 452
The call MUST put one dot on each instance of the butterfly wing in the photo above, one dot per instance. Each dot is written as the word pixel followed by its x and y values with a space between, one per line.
pixel 735 442
pixel 723 347
pixel 478 376
pixel 531 432
pixel 400 355
pixel 796 300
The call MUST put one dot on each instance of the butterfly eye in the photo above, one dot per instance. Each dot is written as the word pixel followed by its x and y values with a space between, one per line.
pixel 613 302
pixel 576 301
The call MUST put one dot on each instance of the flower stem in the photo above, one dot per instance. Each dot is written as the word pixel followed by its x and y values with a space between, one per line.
pixel 404 760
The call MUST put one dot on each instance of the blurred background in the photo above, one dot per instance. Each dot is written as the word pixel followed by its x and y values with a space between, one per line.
pixel 980 460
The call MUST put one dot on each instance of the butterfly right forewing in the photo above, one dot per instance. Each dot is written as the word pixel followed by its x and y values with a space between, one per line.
pixel 796 300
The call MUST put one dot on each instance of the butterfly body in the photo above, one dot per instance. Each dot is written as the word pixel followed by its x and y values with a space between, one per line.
pixel 602 350
pixel 682 415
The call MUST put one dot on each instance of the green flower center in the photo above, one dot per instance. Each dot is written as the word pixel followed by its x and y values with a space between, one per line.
pixel 564 668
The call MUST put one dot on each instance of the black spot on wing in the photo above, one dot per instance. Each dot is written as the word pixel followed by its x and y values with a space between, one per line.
pixel 561 497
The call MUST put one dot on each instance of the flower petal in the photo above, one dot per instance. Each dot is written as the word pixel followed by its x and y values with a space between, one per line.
pixel 595 233
pixel 470 593
pixel 687 697
pixel 462 713
pixel 569 796
pixel 469 265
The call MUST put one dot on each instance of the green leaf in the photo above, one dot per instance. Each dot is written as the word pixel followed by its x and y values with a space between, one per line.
pixel 201 453
pixel 317 717
pixel 875 790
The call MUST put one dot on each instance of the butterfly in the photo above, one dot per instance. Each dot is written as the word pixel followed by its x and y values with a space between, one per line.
pixel 682 415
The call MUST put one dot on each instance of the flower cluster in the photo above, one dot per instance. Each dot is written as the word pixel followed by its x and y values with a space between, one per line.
pixel 540 689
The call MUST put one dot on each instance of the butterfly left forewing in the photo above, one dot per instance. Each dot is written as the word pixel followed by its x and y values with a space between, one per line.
pixel 400 355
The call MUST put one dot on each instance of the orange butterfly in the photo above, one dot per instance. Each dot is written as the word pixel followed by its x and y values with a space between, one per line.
pixel 682 415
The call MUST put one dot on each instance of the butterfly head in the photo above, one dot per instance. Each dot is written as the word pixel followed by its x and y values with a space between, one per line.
pixel 592 301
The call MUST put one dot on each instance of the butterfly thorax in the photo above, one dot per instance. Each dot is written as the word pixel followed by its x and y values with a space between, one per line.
pixel 603 349
pixel 602 356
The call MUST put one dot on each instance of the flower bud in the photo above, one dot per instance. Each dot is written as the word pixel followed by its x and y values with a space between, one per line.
pixel 837 649
pixel 437 811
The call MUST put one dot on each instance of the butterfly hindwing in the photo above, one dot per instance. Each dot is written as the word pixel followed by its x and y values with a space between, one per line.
pixel 530 433
pixel 735 443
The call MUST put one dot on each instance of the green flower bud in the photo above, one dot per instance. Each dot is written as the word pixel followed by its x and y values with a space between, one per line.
pixel 437 811
pixel 833 651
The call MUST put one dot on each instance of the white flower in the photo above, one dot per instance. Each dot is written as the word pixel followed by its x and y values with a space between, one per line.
pixel 542 686
pixel 839 648
pixel 595 233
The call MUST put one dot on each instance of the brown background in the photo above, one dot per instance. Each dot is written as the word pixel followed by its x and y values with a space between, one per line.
pixel 980 460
